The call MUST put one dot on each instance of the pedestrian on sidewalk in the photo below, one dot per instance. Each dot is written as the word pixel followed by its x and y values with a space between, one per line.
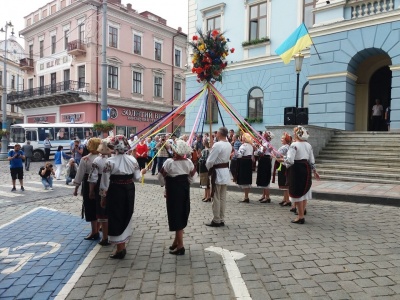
pixel 286 140
pixel 264 168
pixel 81 178
pixel 47 147
pixel 141 153
pixel 28 152
pixel 244 168
pixel 300 163
pixel 377 115
pixel 176 175
pixel 46 172
pixel 15 157
pixel 59 157
pixel 117 191
pixel 218 166
pixel 94 187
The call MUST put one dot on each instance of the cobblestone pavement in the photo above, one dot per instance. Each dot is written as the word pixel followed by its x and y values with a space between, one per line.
pixel 344 251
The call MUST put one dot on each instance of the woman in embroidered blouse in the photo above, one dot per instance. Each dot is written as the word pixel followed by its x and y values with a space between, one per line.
pixel 300 163
pixel 244 169
pixel 264 167
pixel 177 174
pixel 286 140
pixel 89 206
pixel 94 184
pixel 117 191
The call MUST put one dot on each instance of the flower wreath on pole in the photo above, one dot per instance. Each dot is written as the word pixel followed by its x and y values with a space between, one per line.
pixel 209 52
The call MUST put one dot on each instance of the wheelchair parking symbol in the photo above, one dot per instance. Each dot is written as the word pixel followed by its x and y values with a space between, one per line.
pixel 19 256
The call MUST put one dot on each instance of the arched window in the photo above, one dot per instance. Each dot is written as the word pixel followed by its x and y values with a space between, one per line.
pixel 255 103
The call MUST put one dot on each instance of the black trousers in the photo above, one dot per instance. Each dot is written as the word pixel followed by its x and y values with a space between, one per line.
pixel 46 153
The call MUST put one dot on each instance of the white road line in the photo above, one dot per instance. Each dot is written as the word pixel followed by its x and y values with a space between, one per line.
pixel 10 194
pixel 60 184
pixel 235 277
pixel 29 188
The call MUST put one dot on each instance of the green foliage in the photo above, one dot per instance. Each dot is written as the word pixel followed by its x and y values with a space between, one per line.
pixel 103 127
pixel 5 133
pixel 255 42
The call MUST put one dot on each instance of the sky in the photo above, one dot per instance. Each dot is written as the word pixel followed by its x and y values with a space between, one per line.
pixel 176 14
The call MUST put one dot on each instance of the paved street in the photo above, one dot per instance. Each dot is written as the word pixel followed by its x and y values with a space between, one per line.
pixel 344 251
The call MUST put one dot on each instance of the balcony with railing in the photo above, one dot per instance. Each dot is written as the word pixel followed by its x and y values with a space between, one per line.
pixel 26 64
pixel 365 8
pixel 59 93
pixel 76 48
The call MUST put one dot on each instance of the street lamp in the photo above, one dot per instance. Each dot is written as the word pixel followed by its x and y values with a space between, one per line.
pixel 298 61
pixel 4 140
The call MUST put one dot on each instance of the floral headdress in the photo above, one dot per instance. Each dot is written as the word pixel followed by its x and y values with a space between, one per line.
pixel 120 143
pixel 301 133
pixel 209 52
pixel 181 148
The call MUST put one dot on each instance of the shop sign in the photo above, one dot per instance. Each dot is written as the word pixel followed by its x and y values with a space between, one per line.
pixel 41 119
pixel 74 117
pixel 141 115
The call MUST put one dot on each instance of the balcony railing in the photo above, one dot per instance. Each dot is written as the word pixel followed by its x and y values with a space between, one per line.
pixel 76 47
pixel 51 89
pixel 364 8
pixel 26 63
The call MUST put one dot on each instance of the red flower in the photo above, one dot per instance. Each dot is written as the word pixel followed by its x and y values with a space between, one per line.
pixel 195 38
pixel 232 50
pixel 214 33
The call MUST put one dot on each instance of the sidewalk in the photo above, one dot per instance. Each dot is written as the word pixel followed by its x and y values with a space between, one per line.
pixel 345 191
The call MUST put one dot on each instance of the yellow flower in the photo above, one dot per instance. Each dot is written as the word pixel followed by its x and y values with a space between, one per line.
pixel 201 47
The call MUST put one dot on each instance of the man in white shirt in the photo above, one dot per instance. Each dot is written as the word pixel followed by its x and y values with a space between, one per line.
pixel 218 166
pixel 377 115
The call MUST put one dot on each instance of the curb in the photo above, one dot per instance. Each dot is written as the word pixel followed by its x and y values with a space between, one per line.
pixel 317 195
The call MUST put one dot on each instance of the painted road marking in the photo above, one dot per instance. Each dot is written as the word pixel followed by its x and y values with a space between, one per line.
pixel 235 277
pixel 58 184
pixel 53 259
pixel 29 188
pixel 10 194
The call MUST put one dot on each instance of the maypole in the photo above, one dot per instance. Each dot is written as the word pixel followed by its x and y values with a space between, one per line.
pixel 209 52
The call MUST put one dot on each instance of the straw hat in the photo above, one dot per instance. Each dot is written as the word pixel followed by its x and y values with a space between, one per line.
pixel 247 138
pixel 181 148
pixel 103 147
pixel 301 133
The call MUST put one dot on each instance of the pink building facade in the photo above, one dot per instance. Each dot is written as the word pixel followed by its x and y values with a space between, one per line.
pixel 145 65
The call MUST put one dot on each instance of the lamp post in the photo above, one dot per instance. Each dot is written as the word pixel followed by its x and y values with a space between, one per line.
pixel 4 140
pixel 298 61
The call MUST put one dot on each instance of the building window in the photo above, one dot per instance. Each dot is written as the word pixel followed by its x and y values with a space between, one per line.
pixel 308 15
pixel 66 33
pixel 255 103
pixel 304 95
pixel 1 78
pixel 53 44
pixel 41 85
pixel 81 77
pixel 41 49
pixel 258 21
pixel 177 91
pixel 81 31
pixel 113 37
pixel 177 58
pixel 214 23
pixel 137 44
pixel 31 51
pixel 137 82
pixel 113 77
pixel 157 86
pixel 13 81
pixel 157 53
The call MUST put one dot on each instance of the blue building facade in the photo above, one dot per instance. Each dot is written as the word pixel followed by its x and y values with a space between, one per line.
pixel 356 60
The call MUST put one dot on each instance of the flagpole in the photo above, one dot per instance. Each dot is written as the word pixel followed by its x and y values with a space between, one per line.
pixel 312 42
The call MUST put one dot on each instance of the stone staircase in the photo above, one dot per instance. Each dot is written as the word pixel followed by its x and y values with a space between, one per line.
pixel 372 157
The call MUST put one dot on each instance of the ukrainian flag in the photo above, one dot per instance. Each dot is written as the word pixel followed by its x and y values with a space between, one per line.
pixel 296 42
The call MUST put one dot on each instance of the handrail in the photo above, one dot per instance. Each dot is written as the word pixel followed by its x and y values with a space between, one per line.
pixel 63 86
pixel 76 45
pixel 364 8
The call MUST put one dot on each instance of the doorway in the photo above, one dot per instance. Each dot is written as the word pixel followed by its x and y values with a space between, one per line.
pixel 380 87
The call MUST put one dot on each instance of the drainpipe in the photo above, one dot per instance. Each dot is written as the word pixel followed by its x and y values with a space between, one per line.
pixel 97 63
pixel 104 66
pixel 173 73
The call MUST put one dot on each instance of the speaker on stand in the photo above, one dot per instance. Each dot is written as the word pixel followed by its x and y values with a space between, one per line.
pixel 289 116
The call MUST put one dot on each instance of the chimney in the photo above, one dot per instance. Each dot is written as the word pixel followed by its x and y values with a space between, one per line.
pixel 179 29
pixel 129 6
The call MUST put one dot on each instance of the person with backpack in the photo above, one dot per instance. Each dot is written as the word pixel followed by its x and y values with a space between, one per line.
pixel 46 173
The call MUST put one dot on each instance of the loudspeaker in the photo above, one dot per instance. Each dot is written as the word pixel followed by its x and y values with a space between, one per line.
pixel 289 116
pixel 302 116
